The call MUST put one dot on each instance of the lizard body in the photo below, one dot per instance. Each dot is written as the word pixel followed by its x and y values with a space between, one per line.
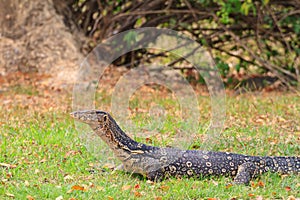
pixel 157 163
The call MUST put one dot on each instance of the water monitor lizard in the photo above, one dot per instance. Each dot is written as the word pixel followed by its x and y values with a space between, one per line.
pixel 157 163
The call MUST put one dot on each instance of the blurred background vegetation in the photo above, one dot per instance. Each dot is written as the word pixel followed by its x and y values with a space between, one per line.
pixel 253 42
pixel 257 39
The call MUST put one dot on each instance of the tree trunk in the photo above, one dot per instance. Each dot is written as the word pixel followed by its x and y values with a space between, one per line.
pixel 33 38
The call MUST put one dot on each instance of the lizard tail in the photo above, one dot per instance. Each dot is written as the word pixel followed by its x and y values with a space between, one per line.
pixel 284 164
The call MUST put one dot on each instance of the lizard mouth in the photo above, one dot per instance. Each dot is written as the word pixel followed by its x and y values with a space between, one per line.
pixel 84 116
pixel 76 115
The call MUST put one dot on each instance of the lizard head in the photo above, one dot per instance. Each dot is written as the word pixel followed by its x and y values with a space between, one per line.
pixel 104 126
pixel 94 118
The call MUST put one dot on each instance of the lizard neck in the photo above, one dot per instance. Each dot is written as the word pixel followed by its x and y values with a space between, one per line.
pixel 117 139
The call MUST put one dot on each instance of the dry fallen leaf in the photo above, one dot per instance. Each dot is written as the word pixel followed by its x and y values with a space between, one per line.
pixel 110 198
pixel 288 188
pixel 100 188
pixel 148 140
pixel 126 187
pixel 72 153
pixel 150 182
pixel 164 188
pixel 11 166
pixel 5 165
pixel 29 197
pixel 137 186
pixel 26 183
pixel 260 184
pixel 215 182
pixel 43 160
pixel 4 180
pixel 26 161
pixel 10 195
pixel 259 198
pixel 109 166
pixel 284 176
pixel 137 194
pixel 59 198
pixel 8 175
pixel 69 191
pixel 68 177
pixel 77 187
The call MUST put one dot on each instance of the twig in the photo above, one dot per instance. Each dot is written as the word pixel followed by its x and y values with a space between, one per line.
pixel 182 58
pixel 171 11
pixel 192 67
pixel 265 63
pixel 234 55
pixel 278 27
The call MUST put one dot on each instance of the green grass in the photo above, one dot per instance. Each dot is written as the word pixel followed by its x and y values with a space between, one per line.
pixel 47 158
pixel 20 89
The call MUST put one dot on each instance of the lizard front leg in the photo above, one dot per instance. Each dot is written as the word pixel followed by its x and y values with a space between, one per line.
pixel 156 176
pixel 118 168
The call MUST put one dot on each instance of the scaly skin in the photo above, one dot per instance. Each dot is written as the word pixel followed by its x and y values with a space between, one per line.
pixel 158 163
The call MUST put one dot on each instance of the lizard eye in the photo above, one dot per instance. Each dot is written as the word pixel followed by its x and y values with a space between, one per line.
pixel 105 118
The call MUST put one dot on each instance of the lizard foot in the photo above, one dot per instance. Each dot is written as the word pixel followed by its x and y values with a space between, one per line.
pixel 245 173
